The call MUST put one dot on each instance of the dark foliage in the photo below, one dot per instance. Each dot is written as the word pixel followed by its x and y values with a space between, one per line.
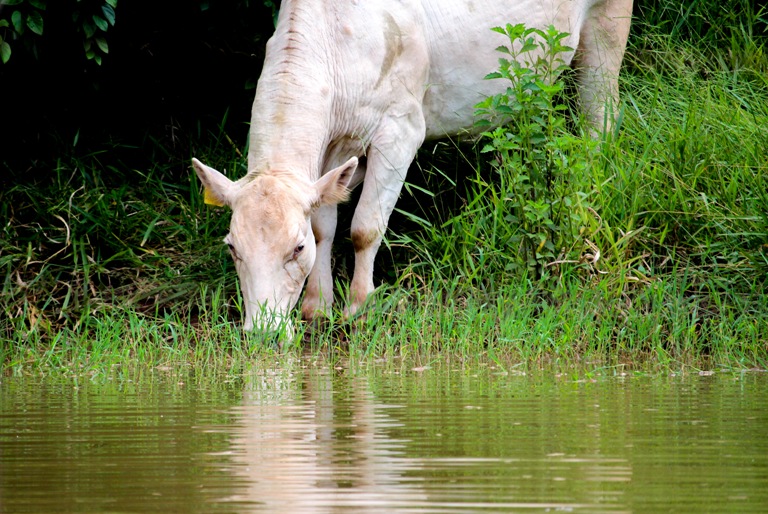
pixel 172 68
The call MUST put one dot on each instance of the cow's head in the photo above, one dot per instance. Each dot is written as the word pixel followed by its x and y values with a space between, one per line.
pixel 270 235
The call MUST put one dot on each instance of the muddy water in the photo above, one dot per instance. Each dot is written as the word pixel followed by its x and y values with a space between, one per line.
pixel 316 440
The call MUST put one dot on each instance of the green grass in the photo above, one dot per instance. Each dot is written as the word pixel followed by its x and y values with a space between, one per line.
pixel 108 267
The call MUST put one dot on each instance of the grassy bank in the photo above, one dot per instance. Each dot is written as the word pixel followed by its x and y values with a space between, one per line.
pixel 113 264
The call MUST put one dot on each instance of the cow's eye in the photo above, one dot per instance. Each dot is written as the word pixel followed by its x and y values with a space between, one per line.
pixel 297 251
pixel 232 250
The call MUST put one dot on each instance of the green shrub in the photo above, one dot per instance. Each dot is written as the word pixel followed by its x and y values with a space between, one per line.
pixel 531 213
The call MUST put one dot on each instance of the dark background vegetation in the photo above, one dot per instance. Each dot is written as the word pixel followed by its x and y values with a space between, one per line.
pixel 172 68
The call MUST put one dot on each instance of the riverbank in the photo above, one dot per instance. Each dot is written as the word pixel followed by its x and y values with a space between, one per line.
pixel 113 264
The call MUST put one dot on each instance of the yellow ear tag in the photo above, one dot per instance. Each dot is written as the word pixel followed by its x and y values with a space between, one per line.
pixel 209 199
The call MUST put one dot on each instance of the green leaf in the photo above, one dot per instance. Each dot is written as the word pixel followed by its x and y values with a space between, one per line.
pixel 3 23
pixel 485 103
pixel 528 46
pixel 109 14
pixel 97 59
pixel 102 43
pixel 35 22
pixel 531 86
pixel 5 52
pixel 39 4
pixel 515 31
pixel 88 29
pixel 12 2
pixel 18 22
pixel 100 22
pixel 113 3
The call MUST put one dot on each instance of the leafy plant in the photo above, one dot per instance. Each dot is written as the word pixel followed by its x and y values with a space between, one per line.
pixel 91 19
pixel 537 161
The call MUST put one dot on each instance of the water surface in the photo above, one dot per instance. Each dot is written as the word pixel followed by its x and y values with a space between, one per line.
pixel 303 439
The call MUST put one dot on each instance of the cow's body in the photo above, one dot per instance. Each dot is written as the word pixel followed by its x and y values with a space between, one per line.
pixel 374 78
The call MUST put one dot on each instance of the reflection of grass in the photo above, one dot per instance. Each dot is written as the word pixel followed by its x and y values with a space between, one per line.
pixel 106 266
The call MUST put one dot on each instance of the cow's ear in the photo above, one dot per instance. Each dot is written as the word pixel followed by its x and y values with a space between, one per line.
pixel 333 187
pixel 218 188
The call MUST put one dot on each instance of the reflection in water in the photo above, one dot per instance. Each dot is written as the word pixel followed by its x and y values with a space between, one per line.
pixel 321 441
pixel 318 446
pixel 305 440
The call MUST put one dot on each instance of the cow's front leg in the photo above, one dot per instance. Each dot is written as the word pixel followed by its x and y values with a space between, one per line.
pixel 318 297
pixel 388 159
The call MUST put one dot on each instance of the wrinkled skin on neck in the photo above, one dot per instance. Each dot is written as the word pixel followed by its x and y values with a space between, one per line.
pixel 270 236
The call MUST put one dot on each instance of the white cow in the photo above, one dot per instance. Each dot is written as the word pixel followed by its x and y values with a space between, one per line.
pixel 373 78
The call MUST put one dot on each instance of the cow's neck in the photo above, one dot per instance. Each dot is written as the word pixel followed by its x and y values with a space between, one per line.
pixel 289 120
